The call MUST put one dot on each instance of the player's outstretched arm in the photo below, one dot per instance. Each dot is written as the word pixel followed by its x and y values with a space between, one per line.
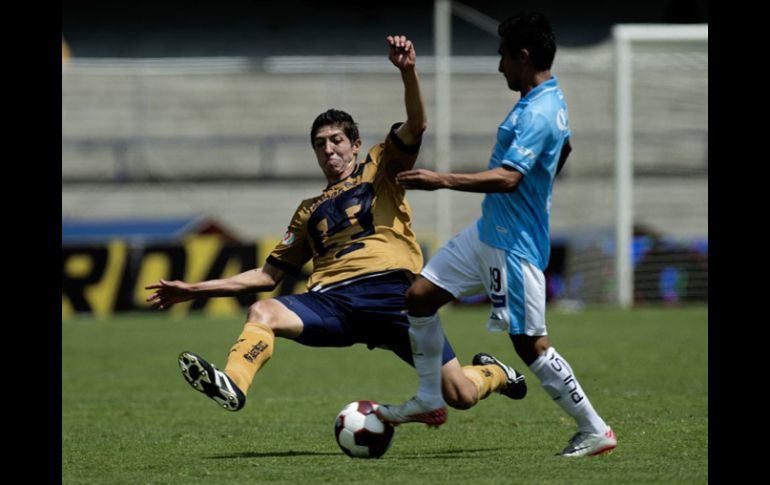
pixel 401 54
pixel 495 180
pixel 168 293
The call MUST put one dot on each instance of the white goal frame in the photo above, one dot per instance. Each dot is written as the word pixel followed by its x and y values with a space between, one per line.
pixel 624 35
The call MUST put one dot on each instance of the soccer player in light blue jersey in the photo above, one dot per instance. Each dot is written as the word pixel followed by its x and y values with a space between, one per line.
pixel 506 251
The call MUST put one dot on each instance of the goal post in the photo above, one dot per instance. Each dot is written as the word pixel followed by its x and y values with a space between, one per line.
pixel 625 37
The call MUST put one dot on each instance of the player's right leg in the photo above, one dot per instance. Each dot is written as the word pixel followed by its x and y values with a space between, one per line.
pixel 254 347
pixel 427 343
pixel 462 388
pixel 448 274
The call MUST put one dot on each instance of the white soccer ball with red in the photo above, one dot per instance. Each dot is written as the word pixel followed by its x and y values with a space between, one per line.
pixel 360 433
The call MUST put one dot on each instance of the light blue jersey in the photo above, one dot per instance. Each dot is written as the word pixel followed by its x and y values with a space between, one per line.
pixel 529 140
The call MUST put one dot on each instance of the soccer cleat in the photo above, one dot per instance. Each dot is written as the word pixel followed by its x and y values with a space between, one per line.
pixel 515 387
pixel 209 380
pixel 412 411
pixel 589 444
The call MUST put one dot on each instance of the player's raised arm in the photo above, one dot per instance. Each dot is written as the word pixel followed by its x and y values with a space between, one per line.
pixel 169 293
pixel 402 54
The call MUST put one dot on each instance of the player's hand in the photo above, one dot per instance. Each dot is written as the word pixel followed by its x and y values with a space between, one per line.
pixel 401 52
pixel 168 293
pixel 420 179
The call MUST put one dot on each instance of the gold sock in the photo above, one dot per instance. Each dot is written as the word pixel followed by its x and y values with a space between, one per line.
pixel 486 378
pixel 252 350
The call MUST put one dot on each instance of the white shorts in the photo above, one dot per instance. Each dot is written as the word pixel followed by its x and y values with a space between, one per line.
pixel 466 266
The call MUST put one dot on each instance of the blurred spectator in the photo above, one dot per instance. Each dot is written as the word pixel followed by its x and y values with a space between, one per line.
pixel 65 51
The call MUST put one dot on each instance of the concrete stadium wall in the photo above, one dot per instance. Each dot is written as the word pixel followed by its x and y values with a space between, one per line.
pixel 229 137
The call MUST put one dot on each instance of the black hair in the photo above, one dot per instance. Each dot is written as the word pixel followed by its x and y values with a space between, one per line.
pixel 531 31
pixel 338 118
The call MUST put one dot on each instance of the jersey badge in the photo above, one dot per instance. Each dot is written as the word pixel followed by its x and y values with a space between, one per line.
pixel 288 238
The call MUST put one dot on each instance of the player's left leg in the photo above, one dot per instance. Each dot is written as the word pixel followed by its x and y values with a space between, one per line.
pixel 507 380
pixel 528 333
pixel 557 378
pixel 460 390
pixel 463 387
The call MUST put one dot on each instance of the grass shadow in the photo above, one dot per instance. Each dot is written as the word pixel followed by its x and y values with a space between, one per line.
pixel 271 454
pixel 292 453
pixel 445 453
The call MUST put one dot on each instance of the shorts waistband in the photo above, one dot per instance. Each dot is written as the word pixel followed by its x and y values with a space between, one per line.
pixel 321 289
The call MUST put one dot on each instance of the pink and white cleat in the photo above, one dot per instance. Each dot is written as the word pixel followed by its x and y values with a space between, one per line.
pixel 590 444
pixel 413 411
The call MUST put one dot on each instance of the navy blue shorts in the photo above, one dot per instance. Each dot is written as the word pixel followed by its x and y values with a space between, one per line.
pixel 369 311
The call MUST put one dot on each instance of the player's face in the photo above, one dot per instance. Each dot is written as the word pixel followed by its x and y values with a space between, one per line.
pixel 335 153
pixel 510 66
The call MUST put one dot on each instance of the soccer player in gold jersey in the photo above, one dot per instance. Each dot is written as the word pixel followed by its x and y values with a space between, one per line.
pixel 358 234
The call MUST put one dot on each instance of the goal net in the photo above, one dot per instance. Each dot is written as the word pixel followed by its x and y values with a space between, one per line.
pixel 653 196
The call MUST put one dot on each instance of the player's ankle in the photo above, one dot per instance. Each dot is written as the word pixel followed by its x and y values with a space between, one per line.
pixel 433 401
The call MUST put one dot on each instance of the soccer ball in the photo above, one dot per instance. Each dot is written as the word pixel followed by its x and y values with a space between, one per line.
pixel 360 433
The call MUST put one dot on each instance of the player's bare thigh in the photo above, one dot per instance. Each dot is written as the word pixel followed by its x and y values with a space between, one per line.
pixel 284 322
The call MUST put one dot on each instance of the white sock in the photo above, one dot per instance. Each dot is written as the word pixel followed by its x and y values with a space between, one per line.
pixel 560 383
pixel 427 339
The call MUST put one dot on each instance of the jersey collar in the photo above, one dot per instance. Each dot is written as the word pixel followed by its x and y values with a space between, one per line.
pixel 535 92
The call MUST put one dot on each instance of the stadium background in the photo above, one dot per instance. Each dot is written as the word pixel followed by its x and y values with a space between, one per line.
pixel 184 139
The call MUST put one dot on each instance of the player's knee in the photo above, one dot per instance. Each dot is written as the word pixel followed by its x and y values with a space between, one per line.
pixel 458 391
pixel 459 398
pixel 530 348
pixel 424 298
pixel 260 312
pixel 418 301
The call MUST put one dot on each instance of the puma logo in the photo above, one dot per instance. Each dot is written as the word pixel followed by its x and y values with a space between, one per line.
pixel 252 354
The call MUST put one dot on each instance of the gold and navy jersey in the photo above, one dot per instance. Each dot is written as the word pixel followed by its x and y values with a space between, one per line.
pixel 359 225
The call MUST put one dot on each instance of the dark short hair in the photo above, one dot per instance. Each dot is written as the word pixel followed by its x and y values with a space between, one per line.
pixel 531 31
pixel 338 118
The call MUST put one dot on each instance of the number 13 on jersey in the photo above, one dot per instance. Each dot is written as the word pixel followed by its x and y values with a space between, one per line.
pixel 348 209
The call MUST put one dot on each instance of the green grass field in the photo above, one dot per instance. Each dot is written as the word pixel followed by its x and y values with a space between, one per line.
pixel 128 417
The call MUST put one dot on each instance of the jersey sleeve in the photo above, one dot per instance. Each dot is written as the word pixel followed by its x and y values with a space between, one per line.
pixel 294 249
pixel 396 155
pixel 531 133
